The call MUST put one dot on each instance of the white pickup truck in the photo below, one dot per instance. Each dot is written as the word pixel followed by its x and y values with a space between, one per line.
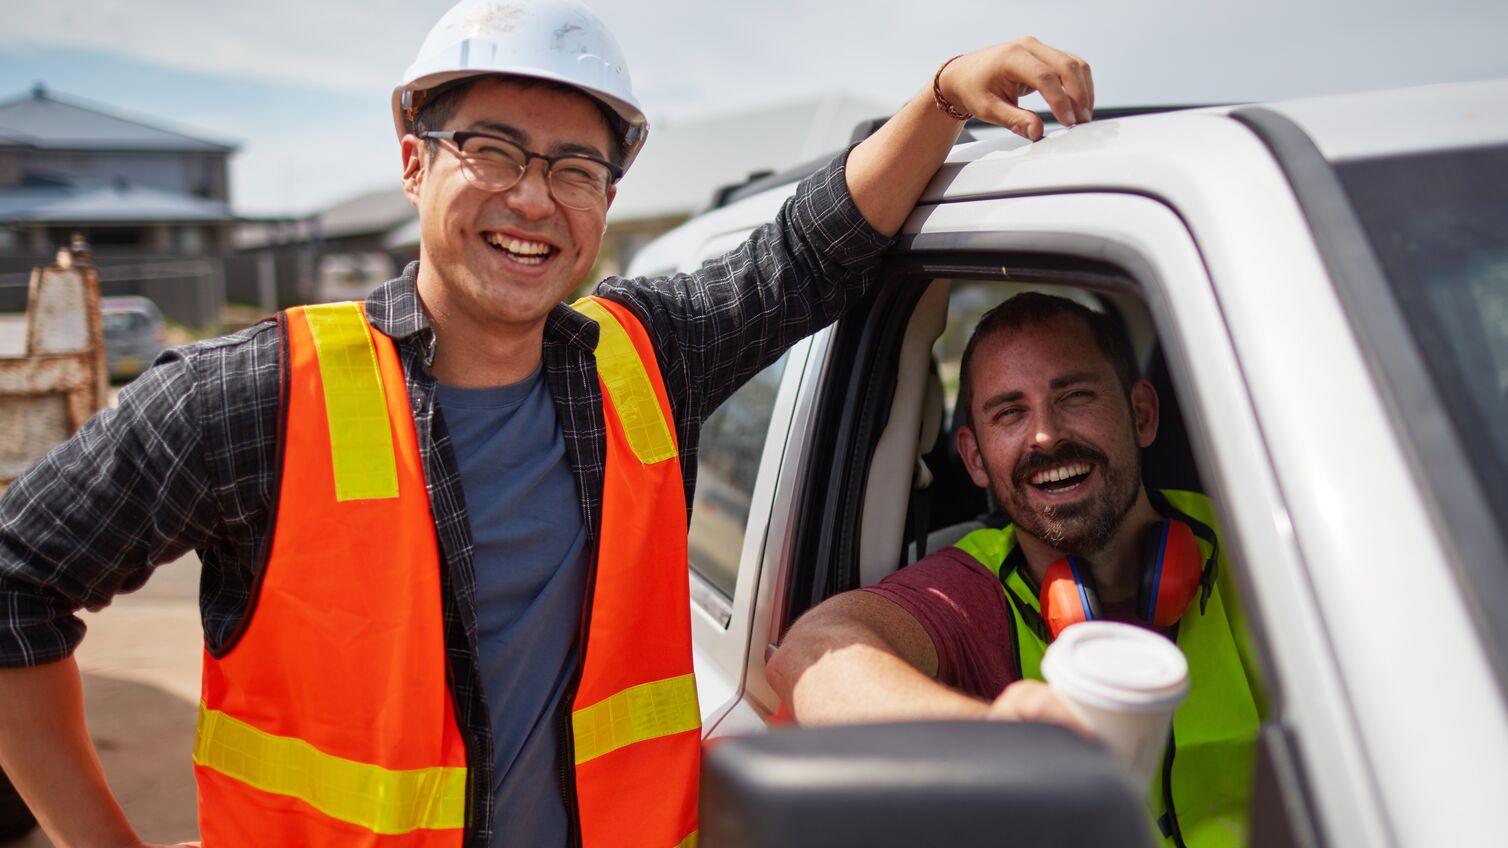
pixel 1320 291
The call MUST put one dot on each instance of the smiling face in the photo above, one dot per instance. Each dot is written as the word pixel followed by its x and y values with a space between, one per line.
pixel 503 259
pixel 1054 435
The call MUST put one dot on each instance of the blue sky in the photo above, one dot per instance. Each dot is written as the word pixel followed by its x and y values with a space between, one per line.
pixel 303 86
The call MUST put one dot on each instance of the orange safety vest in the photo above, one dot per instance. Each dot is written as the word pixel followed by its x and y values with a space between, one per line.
pixel 326 719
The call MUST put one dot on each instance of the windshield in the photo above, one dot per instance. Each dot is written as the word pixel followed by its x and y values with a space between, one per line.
pixel 1439 226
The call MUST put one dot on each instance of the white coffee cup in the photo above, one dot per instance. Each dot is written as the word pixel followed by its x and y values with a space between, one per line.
pixel 1123 682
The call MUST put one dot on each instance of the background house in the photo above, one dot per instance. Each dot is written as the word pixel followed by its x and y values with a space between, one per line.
pixel 339 253
pixel 154 203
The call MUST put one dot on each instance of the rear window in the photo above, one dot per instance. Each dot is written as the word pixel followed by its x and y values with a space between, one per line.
pixel 1439 225
pixel 124 322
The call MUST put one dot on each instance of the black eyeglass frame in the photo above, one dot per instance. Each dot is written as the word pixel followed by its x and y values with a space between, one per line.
pixel 460 137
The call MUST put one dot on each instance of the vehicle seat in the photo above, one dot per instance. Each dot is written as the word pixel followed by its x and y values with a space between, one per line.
pixel 923 480
pixel 1169 462
pixel 991 516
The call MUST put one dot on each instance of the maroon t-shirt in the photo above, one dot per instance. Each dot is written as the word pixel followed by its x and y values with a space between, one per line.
pixel 963 609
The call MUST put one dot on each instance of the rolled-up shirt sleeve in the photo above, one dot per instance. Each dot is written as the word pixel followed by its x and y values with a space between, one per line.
pixel 129 491
pixel 963 609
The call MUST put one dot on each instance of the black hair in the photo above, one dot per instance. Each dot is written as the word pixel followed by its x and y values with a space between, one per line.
pixel 1031 308
pixel 441 103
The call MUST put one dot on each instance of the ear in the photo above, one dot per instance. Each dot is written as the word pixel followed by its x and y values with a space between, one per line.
pixel 1144 408
pixel 973 460
pixel 415 155
pixel 612 193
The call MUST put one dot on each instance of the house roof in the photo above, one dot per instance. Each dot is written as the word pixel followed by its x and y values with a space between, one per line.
pixel 374 213
pixel 107 204
pixel 41 120
pixel 368 214
pixel 404 237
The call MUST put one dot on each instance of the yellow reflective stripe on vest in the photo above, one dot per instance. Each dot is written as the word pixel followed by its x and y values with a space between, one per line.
pixel 628 385
pixel 688 842
pixel 378 799
pixel 361 441
pixel 647 711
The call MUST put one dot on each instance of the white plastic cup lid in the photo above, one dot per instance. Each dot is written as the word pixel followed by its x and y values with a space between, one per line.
pixel 1117 666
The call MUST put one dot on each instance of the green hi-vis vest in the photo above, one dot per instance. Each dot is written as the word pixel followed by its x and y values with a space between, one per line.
pixel 1200 798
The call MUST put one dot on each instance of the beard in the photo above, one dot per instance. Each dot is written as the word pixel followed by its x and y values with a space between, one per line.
pixel 1081 528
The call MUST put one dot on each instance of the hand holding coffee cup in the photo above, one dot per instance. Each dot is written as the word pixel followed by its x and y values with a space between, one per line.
pixel 1033 700
pixel 1121 682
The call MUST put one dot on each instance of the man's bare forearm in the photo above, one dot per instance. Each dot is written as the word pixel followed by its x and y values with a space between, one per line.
pixel 46 752
pixel 860 658
pixel 888 171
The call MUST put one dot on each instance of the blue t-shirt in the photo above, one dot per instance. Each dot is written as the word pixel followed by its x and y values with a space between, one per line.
pixel 531 567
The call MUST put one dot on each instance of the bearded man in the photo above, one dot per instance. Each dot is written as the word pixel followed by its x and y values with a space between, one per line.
pixel 1055 416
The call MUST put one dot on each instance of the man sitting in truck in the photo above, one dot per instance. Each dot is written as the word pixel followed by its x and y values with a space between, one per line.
pixel 1055 415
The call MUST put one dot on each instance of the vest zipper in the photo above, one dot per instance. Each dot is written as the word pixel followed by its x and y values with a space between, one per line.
pixel 567 757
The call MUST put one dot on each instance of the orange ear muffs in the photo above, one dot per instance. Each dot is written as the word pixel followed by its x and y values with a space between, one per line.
pixel 1170 574
pixel 1069 595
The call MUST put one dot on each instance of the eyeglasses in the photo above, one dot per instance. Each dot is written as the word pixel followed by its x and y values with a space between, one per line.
pixel 493 163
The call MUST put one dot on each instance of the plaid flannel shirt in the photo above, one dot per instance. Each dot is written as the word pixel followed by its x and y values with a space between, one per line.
pixel 188 459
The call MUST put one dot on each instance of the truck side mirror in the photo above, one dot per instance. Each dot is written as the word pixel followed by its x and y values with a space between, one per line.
pixel 958 784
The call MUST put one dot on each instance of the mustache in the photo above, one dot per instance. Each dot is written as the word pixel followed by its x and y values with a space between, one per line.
pixel 1068 453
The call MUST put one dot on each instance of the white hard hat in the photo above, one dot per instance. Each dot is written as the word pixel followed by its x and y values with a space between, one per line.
pixel 558 40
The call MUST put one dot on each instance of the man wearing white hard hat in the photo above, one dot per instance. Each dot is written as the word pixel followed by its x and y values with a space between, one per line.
pixel 443 531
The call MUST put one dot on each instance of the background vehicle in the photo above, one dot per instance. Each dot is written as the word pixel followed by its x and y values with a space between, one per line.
pixel 1320 292
pixel 135 333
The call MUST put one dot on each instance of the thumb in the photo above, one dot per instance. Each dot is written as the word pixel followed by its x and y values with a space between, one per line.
pixel 1022 122
pixel 1033 700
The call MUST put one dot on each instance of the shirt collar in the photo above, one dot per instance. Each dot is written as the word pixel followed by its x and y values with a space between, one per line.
pixel 394 307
